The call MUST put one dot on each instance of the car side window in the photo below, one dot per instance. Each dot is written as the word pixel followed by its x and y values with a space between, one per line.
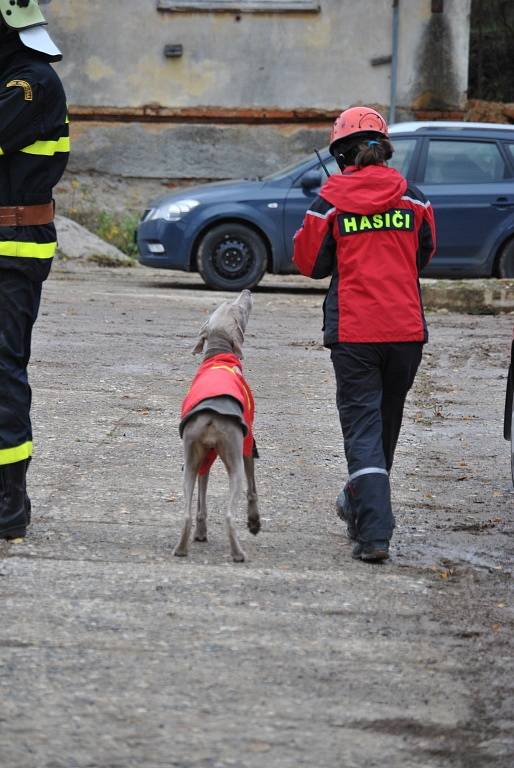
pixel 464 162
pixel 510 147
pixel 403 149
pixel 402 155
pixel 331 165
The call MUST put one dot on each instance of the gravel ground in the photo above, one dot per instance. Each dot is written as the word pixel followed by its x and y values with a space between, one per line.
pixel 114 654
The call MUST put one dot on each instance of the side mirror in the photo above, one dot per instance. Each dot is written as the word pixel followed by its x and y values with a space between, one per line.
pixel 311 180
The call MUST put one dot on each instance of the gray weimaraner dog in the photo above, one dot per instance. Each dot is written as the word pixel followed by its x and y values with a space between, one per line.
pixel 216 423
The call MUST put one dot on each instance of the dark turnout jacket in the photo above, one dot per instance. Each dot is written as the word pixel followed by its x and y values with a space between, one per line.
pixel 374 234
pixel 34 149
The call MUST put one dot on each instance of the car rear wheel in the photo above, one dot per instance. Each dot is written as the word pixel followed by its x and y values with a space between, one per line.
pixel 231 257
pixel 506 261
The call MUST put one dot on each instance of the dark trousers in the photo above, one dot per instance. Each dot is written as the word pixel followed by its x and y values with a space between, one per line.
pixel 19 305
pixel 372 384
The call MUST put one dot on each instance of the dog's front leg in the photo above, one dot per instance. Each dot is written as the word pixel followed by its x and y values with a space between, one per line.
pixel 201 514
pixel 182 547
pixel 254 520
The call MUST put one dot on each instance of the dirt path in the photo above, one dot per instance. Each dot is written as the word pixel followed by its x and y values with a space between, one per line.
pixel 114 654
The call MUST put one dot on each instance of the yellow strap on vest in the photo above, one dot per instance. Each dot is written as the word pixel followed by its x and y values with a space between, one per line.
pixel 239 375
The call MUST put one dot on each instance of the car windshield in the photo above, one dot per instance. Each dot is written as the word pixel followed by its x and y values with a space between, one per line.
pixel 403 150
pixel 289 168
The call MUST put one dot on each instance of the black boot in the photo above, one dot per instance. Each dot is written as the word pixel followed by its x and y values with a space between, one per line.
pixel 13 510
pixel 346 513
pixel 371 551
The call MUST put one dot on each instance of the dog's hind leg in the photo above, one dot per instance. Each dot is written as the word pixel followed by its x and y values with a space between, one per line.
pixel 182 547
pixel 201 514
pixel 231 453
pixel 236 477
pixel 254 520
pixel 192 461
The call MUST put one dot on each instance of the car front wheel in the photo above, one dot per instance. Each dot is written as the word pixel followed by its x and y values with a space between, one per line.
pixel 506 261
pixel 231 257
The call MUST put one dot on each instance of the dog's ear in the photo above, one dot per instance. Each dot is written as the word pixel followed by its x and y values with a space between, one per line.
pixel 198 347
pixel 202 338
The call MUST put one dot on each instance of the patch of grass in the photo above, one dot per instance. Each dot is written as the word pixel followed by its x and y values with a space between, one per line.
pixel 107 261
pixel 117 229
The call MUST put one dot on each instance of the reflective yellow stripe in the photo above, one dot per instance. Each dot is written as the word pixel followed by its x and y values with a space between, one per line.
pixel 1 151
pixel 27 250
pixel 48 148
pixel 247 396
pixel 12 455
pixel 225 368
pixel 234 372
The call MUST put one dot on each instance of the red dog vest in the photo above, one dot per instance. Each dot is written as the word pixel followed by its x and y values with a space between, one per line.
pixel 222 375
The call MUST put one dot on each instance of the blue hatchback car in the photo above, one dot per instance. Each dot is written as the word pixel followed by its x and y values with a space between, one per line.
pixel 235 231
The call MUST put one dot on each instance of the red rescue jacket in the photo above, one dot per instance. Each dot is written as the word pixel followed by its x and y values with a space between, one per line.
pixel 374 234
pixel 222 375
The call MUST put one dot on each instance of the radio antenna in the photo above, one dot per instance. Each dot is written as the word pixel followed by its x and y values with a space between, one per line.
pixel 322 163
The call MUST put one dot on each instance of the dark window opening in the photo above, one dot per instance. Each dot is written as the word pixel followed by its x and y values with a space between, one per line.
pixel 491 61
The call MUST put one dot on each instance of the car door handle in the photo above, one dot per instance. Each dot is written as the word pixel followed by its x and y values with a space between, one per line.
pixel 502 203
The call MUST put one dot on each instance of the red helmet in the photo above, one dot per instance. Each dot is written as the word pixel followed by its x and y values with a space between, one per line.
pixel 357 120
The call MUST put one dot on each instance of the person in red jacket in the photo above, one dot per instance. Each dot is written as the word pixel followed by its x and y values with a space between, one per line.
pixel 374 233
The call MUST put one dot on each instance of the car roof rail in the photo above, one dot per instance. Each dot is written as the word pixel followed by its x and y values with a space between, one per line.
pixel 418 125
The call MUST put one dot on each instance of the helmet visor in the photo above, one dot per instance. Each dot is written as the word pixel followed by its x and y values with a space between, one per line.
pixel 21 18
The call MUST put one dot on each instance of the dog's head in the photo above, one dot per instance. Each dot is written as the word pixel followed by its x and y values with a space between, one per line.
pixel 227 324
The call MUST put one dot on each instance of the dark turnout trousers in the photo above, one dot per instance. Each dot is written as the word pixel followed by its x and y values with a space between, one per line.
pixel 372 383
pixel 19 305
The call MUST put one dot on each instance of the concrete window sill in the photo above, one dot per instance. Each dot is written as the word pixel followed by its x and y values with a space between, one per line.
pixel 240 6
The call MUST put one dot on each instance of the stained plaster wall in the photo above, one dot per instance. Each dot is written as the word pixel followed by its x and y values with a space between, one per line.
pixel 288 61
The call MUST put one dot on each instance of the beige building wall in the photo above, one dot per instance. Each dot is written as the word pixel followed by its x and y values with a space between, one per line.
pixel 267 83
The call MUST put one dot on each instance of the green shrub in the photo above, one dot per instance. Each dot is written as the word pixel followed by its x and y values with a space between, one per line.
pixel 117 229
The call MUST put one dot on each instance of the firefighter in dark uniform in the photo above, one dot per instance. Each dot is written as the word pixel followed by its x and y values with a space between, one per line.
pixel 373 233
pixel 34 149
